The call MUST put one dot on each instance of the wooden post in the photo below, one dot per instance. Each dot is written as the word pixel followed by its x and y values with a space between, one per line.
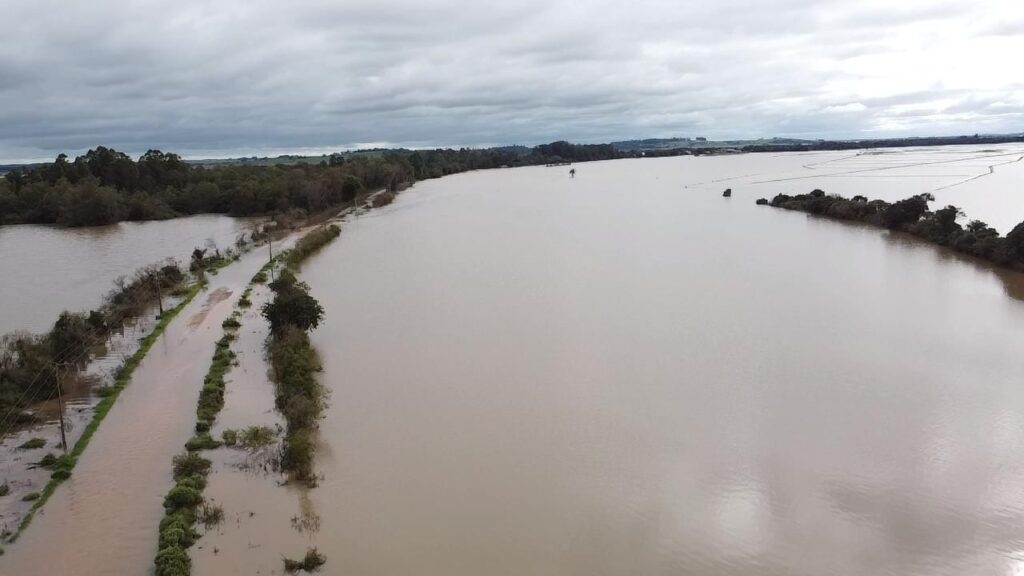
pixel 60 403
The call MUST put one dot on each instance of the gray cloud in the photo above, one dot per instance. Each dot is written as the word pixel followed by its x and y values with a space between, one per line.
pixel 235 76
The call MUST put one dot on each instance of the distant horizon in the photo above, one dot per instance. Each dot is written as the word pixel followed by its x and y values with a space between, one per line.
pixel 274 152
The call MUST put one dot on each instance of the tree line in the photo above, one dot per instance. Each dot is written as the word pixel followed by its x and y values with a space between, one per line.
pixel 913 216
pixel 104 186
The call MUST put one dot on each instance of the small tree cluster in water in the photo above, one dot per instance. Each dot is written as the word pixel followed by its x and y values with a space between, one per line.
pixel 911 215
pixel 27 361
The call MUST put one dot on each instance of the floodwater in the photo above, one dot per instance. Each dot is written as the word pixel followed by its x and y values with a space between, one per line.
pixel 621 373
pixel 103 520
pixel 46 269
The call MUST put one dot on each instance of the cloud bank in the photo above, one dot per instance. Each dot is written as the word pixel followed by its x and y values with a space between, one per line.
pixel 253 76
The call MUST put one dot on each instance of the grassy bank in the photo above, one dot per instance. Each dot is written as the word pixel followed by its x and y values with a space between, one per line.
pixel 310 244
pixel 66 464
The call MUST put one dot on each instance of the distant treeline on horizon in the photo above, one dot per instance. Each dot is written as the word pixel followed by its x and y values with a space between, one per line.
pixel 104 186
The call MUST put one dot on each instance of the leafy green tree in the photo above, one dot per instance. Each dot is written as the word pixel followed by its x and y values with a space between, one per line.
pixel 292 305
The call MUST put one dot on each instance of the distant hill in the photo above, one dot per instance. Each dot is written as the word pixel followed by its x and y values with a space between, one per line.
pixel 651 144
pixel 674 146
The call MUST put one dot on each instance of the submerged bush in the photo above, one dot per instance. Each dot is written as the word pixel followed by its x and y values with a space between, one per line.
pixel 201 441
pixel 5 489
pixel 211 396
pixel 182 496
pixel 311 243
pixel 256 437
pixel 30 497
pixel 312 561
pixel 48 461
pixel 173 561
pixel 210 515
pixel 32 444
pixel 190 464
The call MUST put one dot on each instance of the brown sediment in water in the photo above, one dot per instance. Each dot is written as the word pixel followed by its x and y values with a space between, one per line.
pixel 216 297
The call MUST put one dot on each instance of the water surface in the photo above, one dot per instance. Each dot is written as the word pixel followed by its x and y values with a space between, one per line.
pixel 625 373
pixel 47 269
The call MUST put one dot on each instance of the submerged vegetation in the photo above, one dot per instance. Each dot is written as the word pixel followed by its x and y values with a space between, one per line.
pixel 28 363
pixel 104 186
pixel 311 562
pixel 310 243
pixel 64 464
pixel 184 504
pixel 294 364
pixel 912 216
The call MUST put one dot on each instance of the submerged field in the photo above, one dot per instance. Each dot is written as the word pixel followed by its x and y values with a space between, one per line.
pixel 622 372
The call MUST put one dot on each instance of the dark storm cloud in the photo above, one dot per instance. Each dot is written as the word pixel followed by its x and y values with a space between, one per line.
pixel 231 77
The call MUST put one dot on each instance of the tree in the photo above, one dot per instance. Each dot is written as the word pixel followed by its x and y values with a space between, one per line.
pixel 1015 242
pixel 292 305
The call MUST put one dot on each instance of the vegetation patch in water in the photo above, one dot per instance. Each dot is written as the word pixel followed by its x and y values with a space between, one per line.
pixel 66 463
pixel 311 562
pixel 32 444
pixel 184 504
pixel 311 243
pixel 294 364
pixel 913 216
pixel 211 396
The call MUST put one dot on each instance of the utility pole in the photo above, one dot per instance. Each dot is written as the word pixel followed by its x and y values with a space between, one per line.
pixel 60 403
pixel 159 294
pixel 270 247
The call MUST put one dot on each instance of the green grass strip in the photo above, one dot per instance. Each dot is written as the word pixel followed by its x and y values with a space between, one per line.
pixel 63 471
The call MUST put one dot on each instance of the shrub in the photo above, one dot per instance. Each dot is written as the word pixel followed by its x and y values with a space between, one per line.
pixel 5 489
pixel 231 323
pixel 256 437
pixel 30 497
pixel 182 496
pixel 48 461
pixel 32 444
pixel 173 561
pixel 190 464
pixel 201 442
pixel 211 515
pixel 229 437
pixel 311 562
pixel 297 453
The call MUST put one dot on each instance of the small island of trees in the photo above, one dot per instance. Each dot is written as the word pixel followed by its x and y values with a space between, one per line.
pixel 912 216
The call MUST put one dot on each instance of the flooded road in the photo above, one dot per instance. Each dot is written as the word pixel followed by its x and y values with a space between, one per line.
pixel 621 373
pixel 46 269
pixel 103 520
pixel 617 374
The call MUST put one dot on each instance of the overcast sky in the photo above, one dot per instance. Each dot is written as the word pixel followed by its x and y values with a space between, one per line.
pixel 229 77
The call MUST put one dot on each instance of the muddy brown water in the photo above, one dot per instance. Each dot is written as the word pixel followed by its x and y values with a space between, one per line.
pixel 46 269
pixel 618 373
pixel 614 374
pixel 103 520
